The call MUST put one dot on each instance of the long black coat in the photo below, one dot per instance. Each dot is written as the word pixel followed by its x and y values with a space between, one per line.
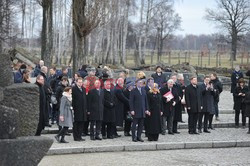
pixel 95 104
pixel 218 88
pixel 159 79
pixel 178 106
pixel 138 102
pixel 79 104
pixel 126 93
pixel 247 103
pixel 43 111
pixel 168 106
pixel 238 103
pixel 193 98
pixel 109 106
pixel 153 122
pixel 234 79
pixel 207 99
pixel 119 108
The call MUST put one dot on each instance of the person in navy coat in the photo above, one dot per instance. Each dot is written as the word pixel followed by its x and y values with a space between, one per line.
pixel 138 107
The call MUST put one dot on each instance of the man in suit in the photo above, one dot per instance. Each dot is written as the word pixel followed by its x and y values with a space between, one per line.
pixel 95 110
pixel 79 103
pixel 193 98
pixel 168 107
pixel 138 107
pixel 150 84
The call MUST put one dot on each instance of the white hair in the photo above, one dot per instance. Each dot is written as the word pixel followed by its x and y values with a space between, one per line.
pixel 170 81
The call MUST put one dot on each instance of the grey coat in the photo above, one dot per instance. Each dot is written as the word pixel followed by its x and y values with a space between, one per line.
pixel 66 112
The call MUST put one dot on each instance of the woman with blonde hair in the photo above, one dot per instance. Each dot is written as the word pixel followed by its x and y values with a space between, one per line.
pixel 153 119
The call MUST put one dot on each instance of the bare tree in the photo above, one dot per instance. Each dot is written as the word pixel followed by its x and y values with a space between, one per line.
pixel 232 15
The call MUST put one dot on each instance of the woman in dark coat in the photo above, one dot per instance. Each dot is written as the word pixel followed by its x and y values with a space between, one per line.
pixel 239 105
pixel 66 114
pixel 247 109
pixel 153 120
pixel 109 111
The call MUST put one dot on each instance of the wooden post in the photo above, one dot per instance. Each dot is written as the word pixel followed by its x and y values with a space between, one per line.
pixel 242 56
pixel 201 58
pixel 248 57
pixel 185 56
pixel 179 57
pixel 217 53
pixel 189 56
pixel 198 58
pixel 169 57
pixel 209 58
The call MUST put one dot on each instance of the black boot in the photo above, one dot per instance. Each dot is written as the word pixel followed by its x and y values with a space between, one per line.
pixel 63 140
pixel 57 137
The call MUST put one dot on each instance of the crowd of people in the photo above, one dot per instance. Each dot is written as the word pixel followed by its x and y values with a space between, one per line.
pixel 95 104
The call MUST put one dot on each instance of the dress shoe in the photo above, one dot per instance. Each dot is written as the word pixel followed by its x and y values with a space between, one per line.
pixel 182 122
pixel 236 126
pixel 199 131
pixel 92 138
pixel 171 133
pixel 127 134
pixel 84 134
pixel 206 131
pixel 190 132
pixel 57 138
pixel 104 137
pixel 117 136
pixel 211 128
pixel 176 132
pixel 244 127
pixel 110 137
pixel 63 141
pixel 163 133
pixel 150 139
pixel 48 125
pixel 68 134
pixel 196 133
pixel 134 140
pixel 139 139
pixel 98 138
pixel 248 132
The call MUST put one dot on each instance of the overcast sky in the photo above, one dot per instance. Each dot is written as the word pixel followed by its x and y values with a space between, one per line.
pixel 192 14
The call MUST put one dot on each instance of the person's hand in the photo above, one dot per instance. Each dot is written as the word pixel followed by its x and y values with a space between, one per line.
pixel 88 113
pixel 243 94
pixel 161 113
pixel 240 94
pixel 201 107
pixel 147 112
pixel 174 103
pixel 132 112
pixel 61 118
pixel 188 108
pixel 168 100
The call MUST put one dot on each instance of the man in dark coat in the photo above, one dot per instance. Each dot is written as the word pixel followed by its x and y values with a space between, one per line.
pixel 248 74
pixel 236 75
pixel 43 118
pixel 121 100
pixel 178 106
pixel 128 118
pixel 150 84
pixel 138 107
pixel 159 77
pixel 169 100
pixel 218 88
pixel 208 104
pixel 95 110
pixel 79 104
pixel 193 98
pixel 109 111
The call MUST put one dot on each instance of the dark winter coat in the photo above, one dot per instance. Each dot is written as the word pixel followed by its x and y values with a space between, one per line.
pixel 138 102
pixel 178 106
pixel 59 92
pixel 79 104
pixel 239 100
pixel 168 106
pixel 119 108
pixel 207 99
pixel 247 103
pixel 159 79
pixel 95 105
pixel 218 88
pixel 109 106
pixel 153 122
pixel 193 98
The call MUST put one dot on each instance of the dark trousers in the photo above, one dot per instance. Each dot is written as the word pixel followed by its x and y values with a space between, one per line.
pixel 77 130
pixel 39 129
pixel 127 126
pixel 237 115
pixel 192 121
pixel 95 132
pixel 216 107
pixel 63 131
pixel 169 125
pixel 153 137
pixel 206 117
pixel 139 123
pixel 54 113
pixel 107 129
pixel 249 124
pixel 210 120
pixel 175 124
pixel 86 127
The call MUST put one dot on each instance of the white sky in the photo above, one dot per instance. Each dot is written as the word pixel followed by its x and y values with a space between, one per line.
pixel 192 13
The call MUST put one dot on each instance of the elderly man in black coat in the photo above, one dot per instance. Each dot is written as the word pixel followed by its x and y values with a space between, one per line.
pixel 138 108
pixel 95 110
pixel 207 91
pixel 159 77
pixel 169 100
pixel 109 111
pixel 121 101
pixel 194 104
pixel 79 104
pixel 43 116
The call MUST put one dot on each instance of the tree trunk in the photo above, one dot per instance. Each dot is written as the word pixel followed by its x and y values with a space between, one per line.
pixel 47 32
pixel 234 45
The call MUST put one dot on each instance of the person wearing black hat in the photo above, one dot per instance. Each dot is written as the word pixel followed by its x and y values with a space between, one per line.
pixel 138 108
